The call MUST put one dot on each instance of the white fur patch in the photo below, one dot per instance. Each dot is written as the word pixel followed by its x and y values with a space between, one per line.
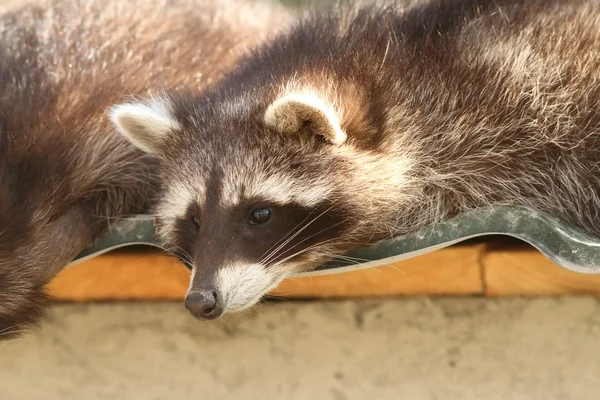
pixel 174 204
pixel 243 285
pixel 274 187
pixel 287 114
pixel 145 125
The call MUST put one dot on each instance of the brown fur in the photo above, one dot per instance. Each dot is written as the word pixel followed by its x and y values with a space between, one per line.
pixel 64 172
pixel 448 106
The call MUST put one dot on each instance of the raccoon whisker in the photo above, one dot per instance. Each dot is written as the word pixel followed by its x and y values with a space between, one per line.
pixel 337 256
pixel 251 311
pixel 278 263
pixel 274 252
pixel 353 258
pixel 184 255
pixel 347 258
pixel 280 305
pixel 227 323
pixel 291 231
pixel 313 235
pixel 394 267
pixel 357 261
pixel 352 261
pixel 187 259
pixel 182 258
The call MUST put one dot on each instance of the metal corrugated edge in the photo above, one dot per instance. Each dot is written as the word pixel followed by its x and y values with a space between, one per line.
pixel 565 245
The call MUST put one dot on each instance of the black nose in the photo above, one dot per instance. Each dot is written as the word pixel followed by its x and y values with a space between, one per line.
pixel 204 305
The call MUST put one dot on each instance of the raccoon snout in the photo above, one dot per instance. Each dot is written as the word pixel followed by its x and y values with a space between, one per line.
pixel 204 305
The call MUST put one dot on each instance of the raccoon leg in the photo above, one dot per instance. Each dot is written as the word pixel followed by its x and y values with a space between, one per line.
pixel 24 276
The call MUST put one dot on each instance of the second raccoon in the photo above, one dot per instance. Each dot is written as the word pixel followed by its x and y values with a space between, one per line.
pixel 64 172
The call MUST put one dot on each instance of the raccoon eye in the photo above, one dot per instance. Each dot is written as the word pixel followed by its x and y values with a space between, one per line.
pixel 196 222
pixel 260 216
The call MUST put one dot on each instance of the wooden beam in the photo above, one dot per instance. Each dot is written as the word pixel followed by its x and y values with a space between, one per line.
pixel 450 271
pixel 150 275
pixel 123 275
pixel 524 271
pixel 491 269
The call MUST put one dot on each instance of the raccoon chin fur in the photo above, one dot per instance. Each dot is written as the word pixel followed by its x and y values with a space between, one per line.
pixel 365 122
pixel 65 173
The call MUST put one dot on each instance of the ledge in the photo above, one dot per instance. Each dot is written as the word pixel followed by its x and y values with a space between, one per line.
pixel 558 241
pixel 435 261
pixel 485 269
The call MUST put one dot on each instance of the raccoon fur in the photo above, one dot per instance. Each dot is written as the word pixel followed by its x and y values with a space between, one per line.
pixel 64 171
pixel 365 122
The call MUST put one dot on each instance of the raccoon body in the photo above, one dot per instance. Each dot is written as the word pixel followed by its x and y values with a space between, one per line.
pixel 362 123
pixel 64 171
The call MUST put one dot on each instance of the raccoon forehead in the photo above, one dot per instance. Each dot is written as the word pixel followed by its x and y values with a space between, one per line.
pixel 275 187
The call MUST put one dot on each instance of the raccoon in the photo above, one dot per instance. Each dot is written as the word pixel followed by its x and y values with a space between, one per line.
pixel 366 122
pixel 65 173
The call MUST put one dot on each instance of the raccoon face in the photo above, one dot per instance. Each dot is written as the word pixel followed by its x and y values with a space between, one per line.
pixel 249 197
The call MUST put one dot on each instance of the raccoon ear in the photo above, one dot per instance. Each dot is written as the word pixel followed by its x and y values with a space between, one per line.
pixel 147 126
pixel 288 113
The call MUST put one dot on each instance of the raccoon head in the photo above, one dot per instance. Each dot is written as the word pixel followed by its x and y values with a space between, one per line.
pixel 253 193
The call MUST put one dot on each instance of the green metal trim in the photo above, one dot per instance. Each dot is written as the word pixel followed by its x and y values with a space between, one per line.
pixel 563 244
pixel 132 231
